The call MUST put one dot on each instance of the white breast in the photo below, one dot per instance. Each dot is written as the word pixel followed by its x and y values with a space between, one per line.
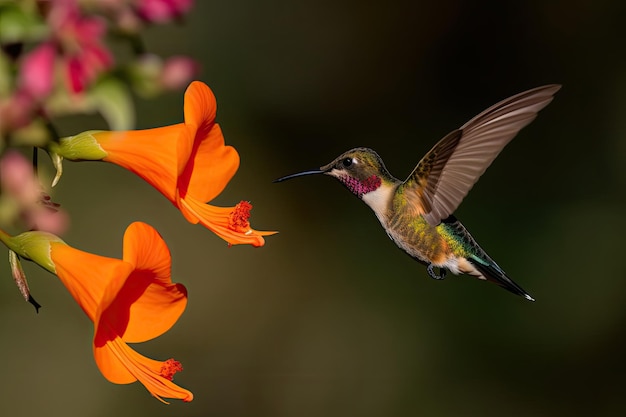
pixel 379 201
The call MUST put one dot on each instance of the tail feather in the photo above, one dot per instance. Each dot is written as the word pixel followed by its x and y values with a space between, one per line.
pixel 496 275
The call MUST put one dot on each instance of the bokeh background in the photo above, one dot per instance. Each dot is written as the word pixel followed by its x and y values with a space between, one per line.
pixel 330 318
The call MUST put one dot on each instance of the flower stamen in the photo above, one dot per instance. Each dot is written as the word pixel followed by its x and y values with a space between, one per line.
pixel 169 369
pixel 238 220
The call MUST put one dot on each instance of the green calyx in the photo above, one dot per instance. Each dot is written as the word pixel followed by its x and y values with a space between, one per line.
pixel 81 147
pixel 34 246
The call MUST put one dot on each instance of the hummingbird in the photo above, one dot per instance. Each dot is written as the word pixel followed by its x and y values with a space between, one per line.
pixel 417 213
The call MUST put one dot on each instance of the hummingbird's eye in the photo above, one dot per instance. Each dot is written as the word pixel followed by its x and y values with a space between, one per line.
pixel 347 162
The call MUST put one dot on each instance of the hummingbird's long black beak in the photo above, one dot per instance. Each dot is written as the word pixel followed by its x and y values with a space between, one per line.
pixel 299 174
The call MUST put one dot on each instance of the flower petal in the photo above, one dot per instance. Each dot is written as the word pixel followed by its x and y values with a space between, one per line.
pixel 120 364
pixel 146 250
pixel 221 222
pixel 86 275
pixel 210 167
pixel 141 308
pixel 200 106
pixel 144 304
pixel 148 153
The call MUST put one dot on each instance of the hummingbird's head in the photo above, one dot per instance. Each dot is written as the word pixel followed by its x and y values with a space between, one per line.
pixel 361 170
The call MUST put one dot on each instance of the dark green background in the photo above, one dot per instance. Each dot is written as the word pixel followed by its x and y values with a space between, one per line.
pixel 330 318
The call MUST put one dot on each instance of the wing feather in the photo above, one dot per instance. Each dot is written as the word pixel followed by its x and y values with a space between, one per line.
pixel 451 168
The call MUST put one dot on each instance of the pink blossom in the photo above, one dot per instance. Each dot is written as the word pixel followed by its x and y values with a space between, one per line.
pixel 84 67
pixel 37 70
pixel 177 72
pixel 162 10
pixel 68 23
pixel 19 182
pixel 79 39
pixel 17 178
pixel 16 111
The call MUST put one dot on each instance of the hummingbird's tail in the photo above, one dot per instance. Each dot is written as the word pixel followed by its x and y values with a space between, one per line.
pixel 493 273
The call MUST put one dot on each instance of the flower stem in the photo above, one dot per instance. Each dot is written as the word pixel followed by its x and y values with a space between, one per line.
pixel 35 160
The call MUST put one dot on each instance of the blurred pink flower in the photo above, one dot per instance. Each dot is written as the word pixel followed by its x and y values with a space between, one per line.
pixel 79 42
pixel 67 22
pixel 37 70
pixel 16 110
pixel 19 182
pixel 17 178
pixel 84 67
pixel 177 72
pixel 160 11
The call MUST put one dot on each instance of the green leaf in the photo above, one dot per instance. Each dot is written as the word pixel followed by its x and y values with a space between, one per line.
pixel 20 24
pixel 112 98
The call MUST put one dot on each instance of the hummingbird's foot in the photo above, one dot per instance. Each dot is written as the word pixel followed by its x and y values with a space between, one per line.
pixel 431 272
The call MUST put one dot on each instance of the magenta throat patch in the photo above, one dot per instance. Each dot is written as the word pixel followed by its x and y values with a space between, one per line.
pixel 360 187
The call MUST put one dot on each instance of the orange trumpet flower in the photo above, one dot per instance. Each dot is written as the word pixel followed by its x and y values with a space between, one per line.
pixel 187 162
pixel 129 301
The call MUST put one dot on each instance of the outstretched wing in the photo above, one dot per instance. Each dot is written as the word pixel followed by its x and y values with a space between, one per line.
pixel 449 170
